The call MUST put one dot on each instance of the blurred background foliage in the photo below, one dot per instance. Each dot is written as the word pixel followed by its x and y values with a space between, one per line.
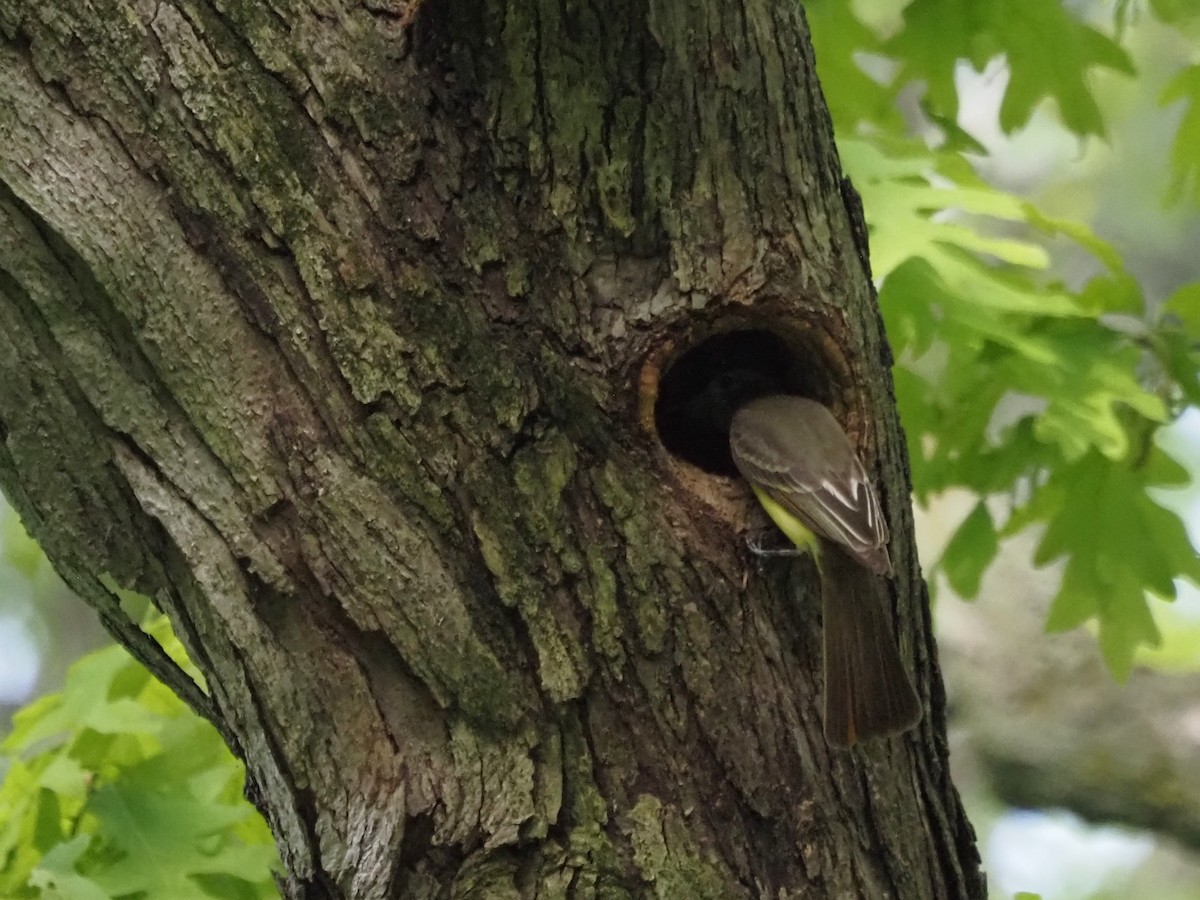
pixel 1031 175
pixel 1030 171
pixel 1035 369
pixel 111 786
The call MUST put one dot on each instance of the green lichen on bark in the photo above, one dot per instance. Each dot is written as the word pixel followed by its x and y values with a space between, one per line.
pixel 542 473
pixel 483 231
pixel 458 341
pixel 668 858
pixel 389 305
pixel 548 784
pixel 602 599
pixel 531 553
pixel 517 282
pixel 250 117
pixel 375 358
pixel 494 785
pixel 486 876
pixel 584 806
pixel 648 565
pixel 394 459
pixel 571 116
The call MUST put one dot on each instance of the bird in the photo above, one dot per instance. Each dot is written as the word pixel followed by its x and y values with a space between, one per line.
pixel 805 473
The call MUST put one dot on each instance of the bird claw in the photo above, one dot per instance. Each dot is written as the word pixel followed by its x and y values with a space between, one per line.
pixel 756 545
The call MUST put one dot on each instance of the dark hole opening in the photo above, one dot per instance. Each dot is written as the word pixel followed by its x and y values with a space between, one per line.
pixel 699 393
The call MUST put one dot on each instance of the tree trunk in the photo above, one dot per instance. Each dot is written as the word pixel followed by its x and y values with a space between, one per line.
pixel 337 329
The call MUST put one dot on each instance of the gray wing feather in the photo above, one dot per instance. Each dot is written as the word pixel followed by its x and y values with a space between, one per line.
pixel 795 450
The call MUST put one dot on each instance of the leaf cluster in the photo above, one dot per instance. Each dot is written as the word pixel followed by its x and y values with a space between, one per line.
pixel 115 789
pixel 1012 384
pixel 1041 398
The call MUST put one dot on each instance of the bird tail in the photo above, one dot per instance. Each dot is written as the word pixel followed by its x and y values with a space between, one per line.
pixel 867 690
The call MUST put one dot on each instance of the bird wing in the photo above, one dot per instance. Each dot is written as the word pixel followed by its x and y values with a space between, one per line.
pixel 795 450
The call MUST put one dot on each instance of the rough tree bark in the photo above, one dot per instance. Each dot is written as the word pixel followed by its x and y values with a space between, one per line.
pixel 336 329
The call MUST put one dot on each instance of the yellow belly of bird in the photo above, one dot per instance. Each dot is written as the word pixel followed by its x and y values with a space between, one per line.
pixel 795 530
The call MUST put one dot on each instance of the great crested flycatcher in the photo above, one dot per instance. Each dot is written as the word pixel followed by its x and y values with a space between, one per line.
pixel 805 473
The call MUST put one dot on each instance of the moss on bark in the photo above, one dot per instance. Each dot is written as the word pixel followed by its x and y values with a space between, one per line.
pixel 333 320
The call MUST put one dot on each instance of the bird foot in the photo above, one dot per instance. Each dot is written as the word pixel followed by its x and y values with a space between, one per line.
pixel 756 542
